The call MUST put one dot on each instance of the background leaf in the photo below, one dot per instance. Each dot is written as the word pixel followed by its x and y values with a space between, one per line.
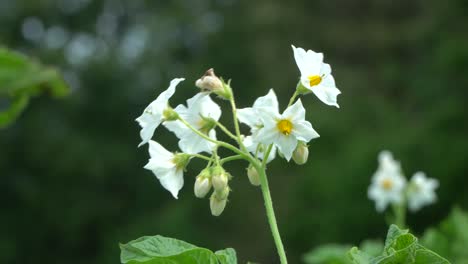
pixel 21 78
pixel 162 250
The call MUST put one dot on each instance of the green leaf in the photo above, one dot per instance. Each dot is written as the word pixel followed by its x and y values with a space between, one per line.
pixel 450 238
pixel 329 254
pixel 165 250
pixel 358 257
pixel 22 78
pixel 400 247
pixel 226 256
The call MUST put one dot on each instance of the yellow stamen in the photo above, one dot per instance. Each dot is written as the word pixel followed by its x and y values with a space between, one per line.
pixel 284 126
pixel 314 79
pixel 387 184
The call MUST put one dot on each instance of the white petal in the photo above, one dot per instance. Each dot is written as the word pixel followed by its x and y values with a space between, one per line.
pixel 309 63
pixel 173 181
pixel 286 145
pixel 248 116
pixel 209 108
pixel 303 131
pixel 159 166
pixel 161 101
pixel 193 143
pixel 158 151
pixel 326 91
pixel 268 101
pixel 148 124
pixel 267 135
pixel 295 112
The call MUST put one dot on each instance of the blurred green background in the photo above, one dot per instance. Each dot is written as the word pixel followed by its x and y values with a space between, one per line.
pixel 72 182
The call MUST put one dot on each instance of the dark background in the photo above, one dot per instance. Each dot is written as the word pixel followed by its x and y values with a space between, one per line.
pixel 72 182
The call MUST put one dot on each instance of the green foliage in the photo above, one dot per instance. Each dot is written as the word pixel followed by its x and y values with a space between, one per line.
pixel 451 237
pixel 400 247
pixel 337 254
pixel 164 250
pixel 20 79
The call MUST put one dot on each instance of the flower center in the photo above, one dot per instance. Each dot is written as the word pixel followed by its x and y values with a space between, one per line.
pixel 387 184
pixel 284 126
pixel 314 80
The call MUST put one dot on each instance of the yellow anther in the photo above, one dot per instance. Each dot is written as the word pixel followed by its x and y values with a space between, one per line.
pixel 284 126
pixel 314 80
pixel 387 184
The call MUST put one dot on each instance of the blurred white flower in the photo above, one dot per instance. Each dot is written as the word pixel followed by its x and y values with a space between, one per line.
pixel 55 37
pixel 284 130
pixel 80 49
pixel 198 113
pixel 388 182
pixel 421 191
pixel 316 75
pixel 153 114
pixel 32 29
pixel 167 167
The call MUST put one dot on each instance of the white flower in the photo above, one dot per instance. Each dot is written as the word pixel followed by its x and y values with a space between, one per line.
pixel 153 115
pixel 421 191
pixel 316 75
pixel 251 115
pixel 388 182
pixel 167 167
pixel 284 130
pixel 199 110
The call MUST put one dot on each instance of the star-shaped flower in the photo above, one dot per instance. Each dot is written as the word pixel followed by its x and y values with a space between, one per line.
pixel 153 115
pixel 421 191
pixel 388 182
pixel 284 130
pixel 199 113
pixel 316 75
pixel 168 167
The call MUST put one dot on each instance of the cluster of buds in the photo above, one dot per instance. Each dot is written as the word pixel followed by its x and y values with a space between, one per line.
pixel 217 178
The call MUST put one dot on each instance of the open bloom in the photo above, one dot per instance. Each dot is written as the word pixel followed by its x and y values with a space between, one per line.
pixel 316 75
pixel 153 115
pixel 251 117
pixel 388 182
pixel 199 113
pixel 284 130
pixel 168 167
pixel 421 191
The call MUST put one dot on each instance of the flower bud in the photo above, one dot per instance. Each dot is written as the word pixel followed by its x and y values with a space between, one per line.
pixel 223 194
pixel 253 176
pixel 219 178
pixel 211 83
pixel 217 204
pixel 202 185
pixel 301 153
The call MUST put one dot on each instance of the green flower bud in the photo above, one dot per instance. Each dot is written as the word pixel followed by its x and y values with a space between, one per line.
pixel 223 194
pixel 253 176
pixel 301 153
pixel 219 178
pixel 207 124
pixel 217 205
pixel 202 184
pixel 169 114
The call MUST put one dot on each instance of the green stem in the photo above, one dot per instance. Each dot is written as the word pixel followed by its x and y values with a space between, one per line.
pixel 201 157
pixel 236 122
pixel 270 212
pixel 219 143
pixel 230 158
pixel 399 211
pixel 293 97
pixel 226 131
